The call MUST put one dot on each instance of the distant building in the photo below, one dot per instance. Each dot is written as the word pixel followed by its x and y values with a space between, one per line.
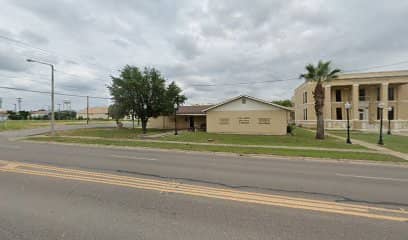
pixel 94 113
pixel 41 113
pixel 3 114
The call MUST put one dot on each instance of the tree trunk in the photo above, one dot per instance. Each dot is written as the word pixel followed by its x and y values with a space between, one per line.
pixel 133 121
pixel 144 125
pixel 318 95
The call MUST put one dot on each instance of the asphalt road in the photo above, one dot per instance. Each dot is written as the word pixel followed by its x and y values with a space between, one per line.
pixel 206 196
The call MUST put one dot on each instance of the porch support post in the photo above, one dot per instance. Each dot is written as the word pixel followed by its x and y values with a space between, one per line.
pixel 384 99
pixel 327 103
pixel 355 101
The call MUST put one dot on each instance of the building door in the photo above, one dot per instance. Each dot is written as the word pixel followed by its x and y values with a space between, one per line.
pixel 362 112
pixel 191 123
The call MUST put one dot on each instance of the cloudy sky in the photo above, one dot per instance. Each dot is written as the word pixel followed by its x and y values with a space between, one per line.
pixel 212 49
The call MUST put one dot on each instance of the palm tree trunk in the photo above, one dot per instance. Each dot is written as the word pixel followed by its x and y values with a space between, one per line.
pixel 318 95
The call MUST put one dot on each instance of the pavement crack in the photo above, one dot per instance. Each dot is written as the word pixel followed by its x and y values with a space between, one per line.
pixel 337 198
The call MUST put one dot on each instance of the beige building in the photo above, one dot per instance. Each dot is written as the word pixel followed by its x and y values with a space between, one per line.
pixel 365 92
pixel 94 113
pixel 248 115
pixel 240 115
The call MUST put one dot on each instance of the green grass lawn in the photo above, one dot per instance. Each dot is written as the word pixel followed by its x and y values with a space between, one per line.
pixel 22 124
pixel 239 150
pixel 27 124
pixel 394 142
pixel 301 138
pixel 128 133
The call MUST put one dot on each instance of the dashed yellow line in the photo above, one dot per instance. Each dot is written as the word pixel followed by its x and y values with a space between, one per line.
pixel 210 192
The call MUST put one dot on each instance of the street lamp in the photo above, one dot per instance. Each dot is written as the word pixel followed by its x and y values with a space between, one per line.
pixel 348 106
pixel 389 121
pixel 52 92
pixel 381 107
pixel 176 106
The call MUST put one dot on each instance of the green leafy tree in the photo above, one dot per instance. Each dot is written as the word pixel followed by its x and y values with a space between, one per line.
pixel 173 95
pixel 117 112
pixel 141 93
pixel 319 74
pixel 285 103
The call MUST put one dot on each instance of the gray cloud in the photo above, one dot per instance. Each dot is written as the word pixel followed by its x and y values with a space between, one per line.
pixel 33 37
pixel 11 61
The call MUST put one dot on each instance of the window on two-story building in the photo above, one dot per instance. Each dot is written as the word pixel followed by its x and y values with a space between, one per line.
pixel 378 94
pixel 391 94
pixel 338 95
pixel 362 94
pixel 305 114
pixel 304 97
pixel 339 114
pixel 391 114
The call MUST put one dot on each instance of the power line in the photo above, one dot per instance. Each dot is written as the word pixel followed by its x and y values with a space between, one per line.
pixel 243 83
pixel 28 45
pixel 374 67
pixel 56 93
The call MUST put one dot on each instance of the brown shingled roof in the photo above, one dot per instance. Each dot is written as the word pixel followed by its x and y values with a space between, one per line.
pixel 193 109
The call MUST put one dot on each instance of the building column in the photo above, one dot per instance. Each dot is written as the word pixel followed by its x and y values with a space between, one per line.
pixel 384 99
pixel 355 102
pixel 327 103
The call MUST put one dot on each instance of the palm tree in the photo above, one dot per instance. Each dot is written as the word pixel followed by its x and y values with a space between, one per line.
pixel 319 74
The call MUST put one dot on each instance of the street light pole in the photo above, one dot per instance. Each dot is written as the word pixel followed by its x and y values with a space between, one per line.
pixel 380 140
pixel 348 106
pixel 52 92
pixel 176 106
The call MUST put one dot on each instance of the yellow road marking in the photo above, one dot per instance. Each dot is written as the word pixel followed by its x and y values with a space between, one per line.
pixel 210 192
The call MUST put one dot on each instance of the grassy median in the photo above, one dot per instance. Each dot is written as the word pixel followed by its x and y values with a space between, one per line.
pixel 394 142
pixel 301 137
pixel 125 133
pixel 212 148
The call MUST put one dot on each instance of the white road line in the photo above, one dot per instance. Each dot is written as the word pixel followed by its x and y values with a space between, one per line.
pixel 132 157
pixel 375 178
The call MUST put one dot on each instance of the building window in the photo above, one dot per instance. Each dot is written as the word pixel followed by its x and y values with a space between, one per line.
pixel 305 97
pixel 264 120
pixel 391 114
pixel 243 100
pixel 391 94
pixel 338 95
pixel 339 114
pixel 224 121
pixel 378 94
pixel 362 94
pixel 243 120
pixel 305 114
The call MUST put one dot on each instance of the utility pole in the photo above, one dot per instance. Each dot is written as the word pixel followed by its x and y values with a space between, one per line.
pixel 19 100
pixel 87 110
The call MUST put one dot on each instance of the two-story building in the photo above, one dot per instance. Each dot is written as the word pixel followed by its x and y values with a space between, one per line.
pixel 368 94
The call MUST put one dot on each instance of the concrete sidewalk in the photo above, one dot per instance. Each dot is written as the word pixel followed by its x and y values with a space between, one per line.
pixel 375 147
